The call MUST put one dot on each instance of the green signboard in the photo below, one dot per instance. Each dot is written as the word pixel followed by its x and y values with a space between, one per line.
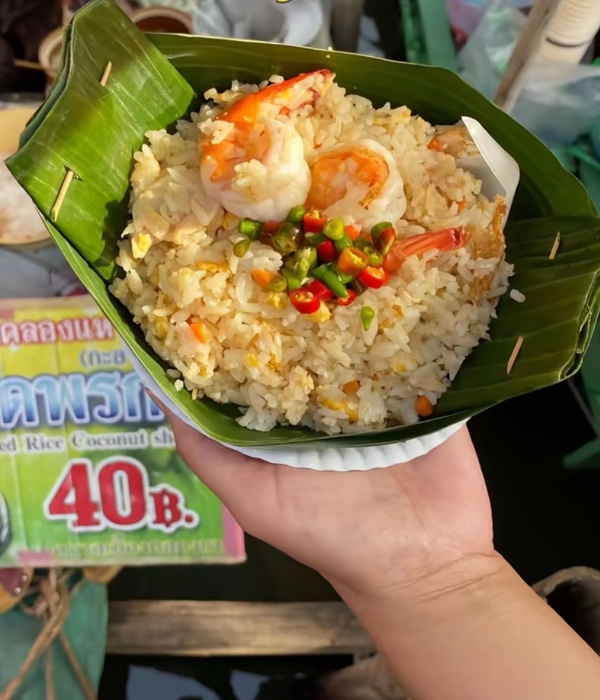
pixel 88 468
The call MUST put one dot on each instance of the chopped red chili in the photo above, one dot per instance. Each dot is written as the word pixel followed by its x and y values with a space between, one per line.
pixel 323 292
pixel 305 301
pixel 348 300
pixel 326 251
pixel 271 227
pixel 313 222
pixel 352 261
pixel 386 240
pixel 374 277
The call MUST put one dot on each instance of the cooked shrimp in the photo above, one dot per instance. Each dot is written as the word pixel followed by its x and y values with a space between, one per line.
pixel 253 162
pixel 358 181
pixel 484 244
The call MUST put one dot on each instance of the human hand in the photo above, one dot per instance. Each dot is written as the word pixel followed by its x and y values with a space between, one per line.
pixel 366 532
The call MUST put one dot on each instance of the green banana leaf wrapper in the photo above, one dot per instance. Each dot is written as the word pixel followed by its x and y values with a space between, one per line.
pixel 94 130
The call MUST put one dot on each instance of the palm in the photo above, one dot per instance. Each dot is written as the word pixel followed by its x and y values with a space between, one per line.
pixel 429 512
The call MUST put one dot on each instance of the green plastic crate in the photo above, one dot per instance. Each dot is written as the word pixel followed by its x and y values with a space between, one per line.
pixel 427 34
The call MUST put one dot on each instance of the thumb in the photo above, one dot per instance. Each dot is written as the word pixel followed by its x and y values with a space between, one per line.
pixel 229 474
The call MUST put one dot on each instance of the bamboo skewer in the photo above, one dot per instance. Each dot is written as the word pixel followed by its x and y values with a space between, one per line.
pixel 525 52
pixel 21 63
pixel 62 193
pixel 106 74
pixel 555 247
pixel 514 354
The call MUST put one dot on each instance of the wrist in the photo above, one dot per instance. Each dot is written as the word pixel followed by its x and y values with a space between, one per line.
pixel 470 577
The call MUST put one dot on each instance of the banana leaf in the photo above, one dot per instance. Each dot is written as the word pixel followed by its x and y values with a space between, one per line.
pixel 94 130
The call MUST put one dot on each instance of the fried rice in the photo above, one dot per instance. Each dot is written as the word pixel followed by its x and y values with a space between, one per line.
pixel 258 351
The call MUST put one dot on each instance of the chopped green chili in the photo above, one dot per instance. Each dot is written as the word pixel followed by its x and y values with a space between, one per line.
pixel 306 260
pixel 367 314
pixel 334 229
pixel 357 286
pixel 279 284
pixel 285 241
pixel 378 228
pixel 375 257
pixel 315 239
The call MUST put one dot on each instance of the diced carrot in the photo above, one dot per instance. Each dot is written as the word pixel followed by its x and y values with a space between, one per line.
pixel 352 232
pixel 263 277
pixel 424 407
pixel 436 145
pixel 351 387
pixel 199 331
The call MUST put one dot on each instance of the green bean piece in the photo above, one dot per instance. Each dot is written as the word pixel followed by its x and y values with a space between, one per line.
pixel 296 214
pixel 344 242
pixel 343 276
pixel 331 280
pixel 241 248
pixel 250 228
pixel 292 278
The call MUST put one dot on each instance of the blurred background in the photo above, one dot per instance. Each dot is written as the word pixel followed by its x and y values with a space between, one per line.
pixel 540 453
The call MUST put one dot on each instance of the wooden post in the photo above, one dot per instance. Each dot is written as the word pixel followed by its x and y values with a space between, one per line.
pixel 223 628
pixel 525 52
pixel 345 26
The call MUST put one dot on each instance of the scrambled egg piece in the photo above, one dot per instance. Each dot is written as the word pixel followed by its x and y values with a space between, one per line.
pixel 230 221
pixel 278 301
pixel 352 413
pixel 161 329
pixel 140 245
pixel 212 267
pixel 321 315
